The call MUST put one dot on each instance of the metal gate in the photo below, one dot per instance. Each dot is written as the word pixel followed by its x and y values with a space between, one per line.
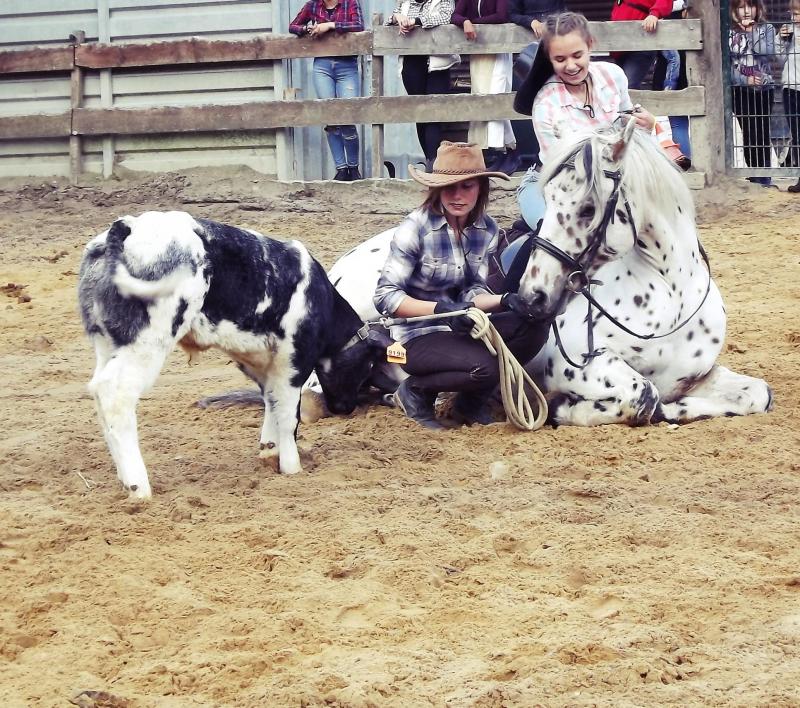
pixel 761 78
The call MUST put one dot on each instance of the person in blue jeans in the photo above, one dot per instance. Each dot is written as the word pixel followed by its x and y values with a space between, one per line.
pixel 335 77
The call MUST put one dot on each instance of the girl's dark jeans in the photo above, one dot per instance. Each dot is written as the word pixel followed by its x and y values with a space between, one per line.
pixel 418 81
pixel 446 361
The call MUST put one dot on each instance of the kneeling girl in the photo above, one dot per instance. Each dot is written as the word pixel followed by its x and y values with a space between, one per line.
pixel 438 263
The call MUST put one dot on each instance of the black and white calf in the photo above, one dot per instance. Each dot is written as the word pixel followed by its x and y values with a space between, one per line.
pixel 162 278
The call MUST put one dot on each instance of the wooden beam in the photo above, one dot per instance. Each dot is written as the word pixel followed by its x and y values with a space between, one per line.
pixel 708 131
pixel 340 111
pixel 377 89
pixel 204 51
pixel 31 60
pixel 55 125
pixel 76 101
pixel 499 39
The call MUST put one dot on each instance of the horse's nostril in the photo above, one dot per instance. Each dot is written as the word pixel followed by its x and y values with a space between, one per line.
pixel 537 299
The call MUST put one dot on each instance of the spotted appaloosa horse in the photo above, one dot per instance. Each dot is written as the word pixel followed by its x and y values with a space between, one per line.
pixel 620 214
pixel 619 233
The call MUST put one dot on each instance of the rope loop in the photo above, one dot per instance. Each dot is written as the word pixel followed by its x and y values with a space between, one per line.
pixel 513 376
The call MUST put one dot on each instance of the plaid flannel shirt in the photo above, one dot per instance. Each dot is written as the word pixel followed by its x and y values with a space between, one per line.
pixel 430 12
pixel 427 262
pixel 555 105
pixel 347 16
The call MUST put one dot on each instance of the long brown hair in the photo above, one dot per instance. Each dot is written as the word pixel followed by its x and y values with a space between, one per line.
pixel 433 201
pixel 564 23
pixel 761 10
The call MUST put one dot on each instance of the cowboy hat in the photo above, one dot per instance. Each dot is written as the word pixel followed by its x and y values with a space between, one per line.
pixel 540 72
pixel 455 162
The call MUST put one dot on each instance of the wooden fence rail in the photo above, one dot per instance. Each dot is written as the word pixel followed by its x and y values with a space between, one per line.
pixel 376 110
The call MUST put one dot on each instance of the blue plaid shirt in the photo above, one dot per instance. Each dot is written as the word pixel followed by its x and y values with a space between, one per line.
pixel 427 262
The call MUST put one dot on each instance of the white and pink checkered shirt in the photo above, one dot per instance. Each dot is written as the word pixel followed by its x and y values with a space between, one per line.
pixel 555 106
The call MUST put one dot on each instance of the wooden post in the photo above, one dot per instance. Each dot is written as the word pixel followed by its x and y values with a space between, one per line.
pixel 705 68
pixel 376 168
pixel 76 101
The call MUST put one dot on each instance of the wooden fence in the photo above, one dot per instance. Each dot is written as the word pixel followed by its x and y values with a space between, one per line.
pixel 701 101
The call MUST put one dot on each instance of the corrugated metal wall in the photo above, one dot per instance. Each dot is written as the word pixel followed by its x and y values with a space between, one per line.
pixel 26 23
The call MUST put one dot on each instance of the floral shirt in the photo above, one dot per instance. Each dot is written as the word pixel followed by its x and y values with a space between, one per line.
pixel 346 16
pixel 556 107
pixel 427 262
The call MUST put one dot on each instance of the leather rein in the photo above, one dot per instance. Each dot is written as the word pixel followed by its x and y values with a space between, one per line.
pixel 579 282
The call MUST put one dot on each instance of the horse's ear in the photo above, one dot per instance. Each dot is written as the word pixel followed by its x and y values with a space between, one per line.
pixel 627 132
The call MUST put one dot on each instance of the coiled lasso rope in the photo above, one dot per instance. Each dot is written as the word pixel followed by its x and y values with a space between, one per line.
pixel 513 377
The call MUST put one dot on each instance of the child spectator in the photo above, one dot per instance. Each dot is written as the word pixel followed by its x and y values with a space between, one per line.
pixel 790 78
pixel 752 48
pixel 335 77
pixel 489 74
pixel 636 65
pixel 424 75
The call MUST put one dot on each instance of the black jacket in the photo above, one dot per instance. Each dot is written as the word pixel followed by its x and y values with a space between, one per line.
pixel 523 12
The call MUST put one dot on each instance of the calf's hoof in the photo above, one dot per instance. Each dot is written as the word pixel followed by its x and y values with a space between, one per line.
pixel 138 492
pixel 268 456
pixel 312 406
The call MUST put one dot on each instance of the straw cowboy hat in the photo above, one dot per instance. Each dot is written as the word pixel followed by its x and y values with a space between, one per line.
pixel 455 162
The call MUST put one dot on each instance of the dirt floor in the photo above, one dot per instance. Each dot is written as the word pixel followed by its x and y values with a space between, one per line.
pixel 609 566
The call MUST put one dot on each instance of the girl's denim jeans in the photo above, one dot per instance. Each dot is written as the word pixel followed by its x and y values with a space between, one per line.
pixel 337 77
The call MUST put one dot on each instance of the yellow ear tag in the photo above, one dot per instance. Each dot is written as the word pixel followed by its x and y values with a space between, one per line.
pixel 396 353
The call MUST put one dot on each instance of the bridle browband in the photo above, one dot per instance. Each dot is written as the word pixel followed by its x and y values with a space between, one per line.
pixel 579 282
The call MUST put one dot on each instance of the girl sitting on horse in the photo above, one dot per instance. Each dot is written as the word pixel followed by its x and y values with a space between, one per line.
pixel 566 92
pixel 438 263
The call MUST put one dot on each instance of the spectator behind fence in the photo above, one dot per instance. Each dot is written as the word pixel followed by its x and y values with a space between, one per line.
pixel 531 14
pixel 438 264
pixel 335 77
pixel 637 65
pixel 752 49
pixel 790 78
pixel 424 75
pixel 566 92
pixel 489 74
pixel 669 74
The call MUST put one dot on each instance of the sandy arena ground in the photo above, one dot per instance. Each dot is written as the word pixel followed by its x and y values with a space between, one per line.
pixel 611 566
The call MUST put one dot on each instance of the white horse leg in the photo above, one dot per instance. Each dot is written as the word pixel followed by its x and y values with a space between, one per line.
pixel 721 393
pixel 116 388
pixel 606 391
pixel 269 441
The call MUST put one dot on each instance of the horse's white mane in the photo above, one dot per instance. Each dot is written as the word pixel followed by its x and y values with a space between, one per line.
pixel 650 181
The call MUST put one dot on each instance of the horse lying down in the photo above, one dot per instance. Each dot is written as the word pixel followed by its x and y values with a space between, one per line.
pixel 162 278
pixel 619 228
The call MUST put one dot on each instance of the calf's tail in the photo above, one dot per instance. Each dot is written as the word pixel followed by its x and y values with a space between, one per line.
pixel 129 285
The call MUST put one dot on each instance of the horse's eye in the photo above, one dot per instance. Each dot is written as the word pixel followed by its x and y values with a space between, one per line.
pixel 586 211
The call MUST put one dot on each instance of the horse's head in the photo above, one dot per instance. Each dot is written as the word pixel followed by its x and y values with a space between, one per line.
pixel 589 218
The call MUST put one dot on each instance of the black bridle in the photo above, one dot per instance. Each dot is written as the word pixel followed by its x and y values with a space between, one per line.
pixel 579 281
